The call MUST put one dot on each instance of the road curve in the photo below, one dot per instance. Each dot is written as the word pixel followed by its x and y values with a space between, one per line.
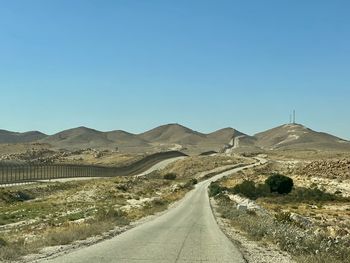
pixel 186 233
pixel 161 165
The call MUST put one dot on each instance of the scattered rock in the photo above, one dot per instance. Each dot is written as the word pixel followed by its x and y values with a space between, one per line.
pixel 242 207
pixel 337 168
pixel 246 204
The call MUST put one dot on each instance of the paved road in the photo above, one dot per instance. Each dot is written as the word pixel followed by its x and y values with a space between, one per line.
pixel 161 165
pixel 186 233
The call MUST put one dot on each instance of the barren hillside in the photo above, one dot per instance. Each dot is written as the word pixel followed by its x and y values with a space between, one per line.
pixel 296 136
pixel 17 137
pixel 172 133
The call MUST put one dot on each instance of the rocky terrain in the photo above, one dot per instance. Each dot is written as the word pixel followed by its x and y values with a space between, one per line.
pixel 332 168
pixel 84 156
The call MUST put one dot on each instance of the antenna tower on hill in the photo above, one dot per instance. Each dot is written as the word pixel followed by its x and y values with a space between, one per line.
pixel 293 116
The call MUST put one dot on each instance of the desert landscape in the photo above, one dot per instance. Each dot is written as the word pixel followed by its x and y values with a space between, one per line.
pixel 174 131
pixel 41 219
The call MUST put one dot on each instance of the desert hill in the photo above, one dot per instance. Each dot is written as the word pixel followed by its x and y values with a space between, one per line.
pixel 18 137
pixel 79 138
pixel 224 136
pixel 297 136
pixel 173 133
pixel 123 138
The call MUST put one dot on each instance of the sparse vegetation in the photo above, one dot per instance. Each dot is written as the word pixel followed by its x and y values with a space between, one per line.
pixel 310 222
pixel 306 195
pixel 305 245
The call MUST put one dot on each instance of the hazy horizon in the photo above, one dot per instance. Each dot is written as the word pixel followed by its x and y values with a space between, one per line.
pixel 206 65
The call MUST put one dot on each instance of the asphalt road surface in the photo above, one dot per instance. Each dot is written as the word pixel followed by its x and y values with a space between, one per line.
pixel 161 165
pixel 186 233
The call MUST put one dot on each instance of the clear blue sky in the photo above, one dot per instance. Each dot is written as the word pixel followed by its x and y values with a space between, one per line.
pixel 134 65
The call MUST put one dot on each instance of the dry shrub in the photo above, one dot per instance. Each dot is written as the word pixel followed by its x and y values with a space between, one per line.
pixel 170 176
pixel 66 235
pixel 11 251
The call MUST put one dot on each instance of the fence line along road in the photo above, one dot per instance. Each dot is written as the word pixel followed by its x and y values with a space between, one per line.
pixel 12 174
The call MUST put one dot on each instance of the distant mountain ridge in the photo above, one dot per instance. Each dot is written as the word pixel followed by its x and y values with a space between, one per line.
pixel 20 137
pixel 177 137
pixel 83 137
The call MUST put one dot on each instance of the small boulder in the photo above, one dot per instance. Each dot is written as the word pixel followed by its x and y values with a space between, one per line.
pixel 242 207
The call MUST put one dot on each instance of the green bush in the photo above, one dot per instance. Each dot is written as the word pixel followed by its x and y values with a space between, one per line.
pixel 215 189
pixel 2 242
pixel 170 176
pixel 246 188
pixel 312 195
pixel 158 202
pixel 280 183
pixel 283 217
pixel 262 190
pixel 190 183
pixel 250 190
pixel 194 181
pixel 9 196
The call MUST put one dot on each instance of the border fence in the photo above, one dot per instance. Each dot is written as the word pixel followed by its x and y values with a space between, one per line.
pixel 12 174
